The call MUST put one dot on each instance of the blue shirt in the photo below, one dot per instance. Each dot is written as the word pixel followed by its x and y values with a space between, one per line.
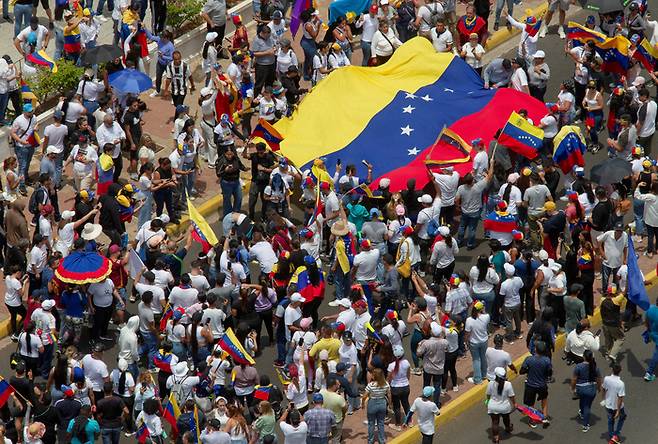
pixel 538 369
pixel 91 429
pixel 74 303
pixel 165 49
pixel 652 318
pixel 581 372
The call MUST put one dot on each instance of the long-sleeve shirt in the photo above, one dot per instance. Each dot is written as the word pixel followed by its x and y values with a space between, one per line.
pixel 496 75
pixel 528 43
pixel 384 45
pixel 165 48
pixel 650 207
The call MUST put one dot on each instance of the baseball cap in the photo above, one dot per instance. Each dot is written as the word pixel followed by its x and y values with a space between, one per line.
pixel 365 243
pixel 619 226
pixel 500 372
pixel 549 206
pixel 543 255
pixel 317 398
pixel 428 391
pixel 341 367
pixel 425 199
pixel 539 54
pixel 296 297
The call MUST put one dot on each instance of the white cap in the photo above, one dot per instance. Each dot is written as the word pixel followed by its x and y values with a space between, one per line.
pixel 316 12
pixel 444 231
pixel 436 329
pixel 164 217
pixel 500 372
pixel 205 91
pixel 122 365
pixel 555 266
pixel 639 81
pixel 509 269
pixel 211 36
pixel 513 177
pixel 383 2
pixel 67 215
pixel 48 304
pixel 543 255
pixel 344 302
pixel 52 150
pixel 398 351
pixel 324 355
pixel 426 199
pixel 539 55
pixel 296 297
pixel 384 182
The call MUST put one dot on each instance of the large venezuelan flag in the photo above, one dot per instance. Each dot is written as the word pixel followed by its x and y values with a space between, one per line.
pixel 392 115
pixel 647 54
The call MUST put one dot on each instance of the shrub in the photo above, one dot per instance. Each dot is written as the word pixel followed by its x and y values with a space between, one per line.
pixel 46 85
pixel 183 15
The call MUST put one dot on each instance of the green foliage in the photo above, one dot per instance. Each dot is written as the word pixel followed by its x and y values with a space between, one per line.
pixel 46 85
pixel 183 15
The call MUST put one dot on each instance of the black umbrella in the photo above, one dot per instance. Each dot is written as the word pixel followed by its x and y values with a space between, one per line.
pixel 100 54
pixel 610 171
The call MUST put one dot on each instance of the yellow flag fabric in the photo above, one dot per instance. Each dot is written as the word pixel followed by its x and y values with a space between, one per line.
pixel 201 224
pixel 338 109
pixel 174 405
pixel 341 256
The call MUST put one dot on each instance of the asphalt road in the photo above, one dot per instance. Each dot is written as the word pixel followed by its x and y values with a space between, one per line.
pixel 473 426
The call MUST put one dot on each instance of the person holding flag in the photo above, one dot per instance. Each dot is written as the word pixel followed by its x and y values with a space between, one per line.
pixel 529 29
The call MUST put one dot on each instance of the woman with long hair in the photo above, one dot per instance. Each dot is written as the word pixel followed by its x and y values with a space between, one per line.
pixel 586 383
pixel 246 378
pixel 177 336
pixel 377 398
pixel 296 392
pixel 237 426
pixel 484 279
pixel 10 179
pixel 444 250
pixel 311 24
pixel 322 370
pixel 209 56
pixel 59 375
pixel 477 336
pixel 420 317
pixel 343 36
pixel 264 425
pixel 199 337
pixel 123 386
pixel 150 416
pixel 399 372
pixel 500 402
pixel 145 390
pixel 282 271
pixel 29 347
pixel 264 307
pixel 408 251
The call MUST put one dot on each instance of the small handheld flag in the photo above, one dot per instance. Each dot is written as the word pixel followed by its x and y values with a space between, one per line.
pixel 373 333
pixel 521 136
pixel 171 412
pixel 202 233
pixel 6 391
pixel 142 434
pixel 231 345
pixel 268 133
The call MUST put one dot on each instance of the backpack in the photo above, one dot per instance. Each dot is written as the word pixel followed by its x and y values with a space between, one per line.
pixel 33 206
pixel 435 15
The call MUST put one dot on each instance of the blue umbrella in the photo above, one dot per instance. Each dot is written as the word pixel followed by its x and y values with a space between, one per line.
pixel 130 81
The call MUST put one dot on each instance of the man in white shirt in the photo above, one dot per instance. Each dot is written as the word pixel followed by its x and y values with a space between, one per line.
pixel 292 314
pixel 54 135
pixel 441 37
pixel 262 251
pixel 111 132
pixel 358 329
pixel 427 16
pixel 615 392
pixel 369 24
pixel 448 180
pixel 613 247
pixel 158 301
pixel 41 34
pixel 431 211
pixel 519 80
pixel 96 370
pixel 646 121
pixel 365 264
pixel 184 295
pixel 89 89
pixel 480 161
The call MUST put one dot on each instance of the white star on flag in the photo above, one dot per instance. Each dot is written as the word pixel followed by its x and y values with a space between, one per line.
pixel 408 109
pixel 427 98
pixel 406 130
pixel 410 96
pixel 413 151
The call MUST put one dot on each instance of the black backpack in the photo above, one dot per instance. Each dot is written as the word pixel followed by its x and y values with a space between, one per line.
pixel 33 205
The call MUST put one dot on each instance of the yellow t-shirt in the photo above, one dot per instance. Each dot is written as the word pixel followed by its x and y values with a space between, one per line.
pixel 334 402
pixel 331 345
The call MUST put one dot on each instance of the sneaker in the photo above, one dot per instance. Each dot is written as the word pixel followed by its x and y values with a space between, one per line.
pixel 132 298
pixel 350 412
pixel 585 428
pixel 154 370
pixel 532 424
pixel 519 336
pixel 417 371
pixel 14 337
pixel 580 413
pixel 560 32
pixel 649 377
pixel 615 439
pixel 455 388
pixel 154 94
pixel 543 31
pixel 472 381
pixel 546 423
pixel 7 19
pixel 129 434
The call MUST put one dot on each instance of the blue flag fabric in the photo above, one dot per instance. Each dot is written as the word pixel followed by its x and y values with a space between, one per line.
pixel 637 294
pixel 343 7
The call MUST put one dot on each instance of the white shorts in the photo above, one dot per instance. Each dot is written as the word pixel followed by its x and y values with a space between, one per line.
pixel 562 4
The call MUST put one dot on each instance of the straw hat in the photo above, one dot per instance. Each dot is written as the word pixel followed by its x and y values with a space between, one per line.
pixel 339 228
pixel 91 231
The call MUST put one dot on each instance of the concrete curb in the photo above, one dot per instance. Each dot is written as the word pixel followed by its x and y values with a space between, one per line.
pixel 476 395
pixel 502 35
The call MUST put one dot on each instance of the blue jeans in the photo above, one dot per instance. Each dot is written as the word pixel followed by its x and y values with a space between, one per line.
pixel 342 283
pixel 638 214
pixel 5 8
pixel 59 166
pixel 416 337
pixel 486 298
pixel 470 222
pixel 45 359
pixel 111 435
pixel 309 47
pixel 654 361
pixel 59 44
pixel 586 396
pixel 594 131
pixel 147 209
pixel 188 180
pixel 499 8
pixel 149 347
pixel 232 194
pixel 478 353
pixel 376 416
pixel 612 430
pixel 4 101
pixel 22 16
pixel 24 156
pixel 366 48
pixel 134 370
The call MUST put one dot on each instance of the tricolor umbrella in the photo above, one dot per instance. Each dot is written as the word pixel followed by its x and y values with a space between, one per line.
pixel 130 81
pixel 83 268
pixel 611 171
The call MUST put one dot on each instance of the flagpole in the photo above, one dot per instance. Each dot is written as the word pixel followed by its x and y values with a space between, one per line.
pixel 429 155
pixel 16 392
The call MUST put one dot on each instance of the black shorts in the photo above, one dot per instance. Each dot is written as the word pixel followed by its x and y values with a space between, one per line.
pixel 533 394
pixel 44 3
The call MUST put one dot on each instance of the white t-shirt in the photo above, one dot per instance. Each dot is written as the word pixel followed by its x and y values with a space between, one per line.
pixel 216 318
pixel 40 33
pixel 510 289
pixel 614 388
pixel 496 358
pixel 264 253
pixel 519 79
pixel 427 214
pixel 613 248
pixel 395 336
pixel 13 291
pixel 158 295
pixel 56 135
pixel 549 123
pixel 101 293
pixel 448 184
pixel 65 238
pixel 367 262
pixel 130 382
pixel 566 96
pixel 478 328
pixel 45 323
pixel 649 126
pixel 35 343
pixel 441 42
pixel 84 159
pixel 400 378
pixel 291 315
pixel 499 404
pixel 472 51
pixel 514 197
pixel 96 371
pixel 425 412
pixel 425 13
pixel 294 435
pixel 236 268
pixel 183 297
pixel 199 282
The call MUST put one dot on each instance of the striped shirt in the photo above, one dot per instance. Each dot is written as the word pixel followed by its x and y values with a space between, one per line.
pixel 178 74
pixel 376 391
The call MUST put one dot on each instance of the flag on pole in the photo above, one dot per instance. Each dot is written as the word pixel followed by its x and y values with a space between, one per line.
pixel 569 148
pixel 202 232
pixel 373 333
pixel 142 434
pixel 268 133
pixel 27 95
pixel 6 391
pixel 196 430
pixel 521 136
pixel 41 58
pixel 637 293
pixel 166 315
pixel 647 54
pixel 171 412
pixel 231 345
